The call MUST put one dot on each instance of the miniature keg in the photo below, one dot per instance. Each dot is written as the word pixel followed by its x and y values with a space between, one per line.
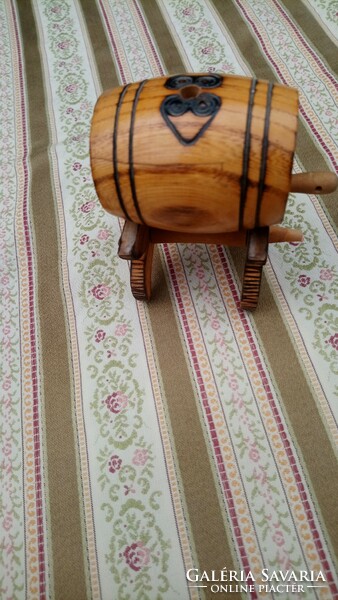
pixel 195 153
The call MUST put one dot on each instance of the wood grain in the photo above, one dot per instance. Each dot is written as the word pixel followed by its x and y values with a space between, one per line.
pixel 236 175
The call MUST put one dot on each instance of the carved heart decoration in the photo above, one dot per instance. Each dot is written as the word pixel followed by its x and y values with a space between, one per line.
pixel 202 105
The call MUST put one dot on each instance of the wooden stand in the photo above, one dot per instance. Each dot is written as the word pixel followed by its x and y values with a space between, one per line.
pixel 137 245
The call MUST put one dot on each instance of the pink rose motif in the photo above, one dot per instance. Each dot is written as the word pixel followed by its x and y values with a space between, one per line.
pixel 215 324
pixel 6 385
pixel 114 464
pixel 87 207
pixel 56 9
pixel 100 335
pixel 121 330
pixel 233 384
pixel 140 457
pixel 69 110
pixel 188 12
pixel 333 340
pixel 303 280
pixel 278 537
pixel 100 291
pixel 227 67
pixel 207 50
pixel 103 234
pixel 7 448
pixel 63 45
pixel 71 88
pixel 128 490
pixel 116 402
pixel 254 454
pixel 137 556
pixel 77 166
pixel 326 275
pixel 84 239
pixel 7 523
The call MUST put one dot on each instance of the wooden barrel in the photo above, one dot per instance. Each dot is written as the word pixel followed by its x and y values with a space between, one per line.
pixel 195 152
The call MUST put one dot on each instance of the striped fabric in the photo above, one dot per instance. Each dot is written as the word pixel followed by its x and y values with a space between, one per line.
pixel 140 441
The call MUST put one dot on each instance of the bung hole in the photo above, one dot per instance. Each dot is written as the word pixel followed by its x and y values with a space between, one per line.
pixel 190 91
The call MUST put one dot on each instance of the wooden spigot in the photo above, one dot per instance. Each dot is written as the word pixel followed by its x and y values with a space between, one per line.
pixel 318 183
pixel 314 183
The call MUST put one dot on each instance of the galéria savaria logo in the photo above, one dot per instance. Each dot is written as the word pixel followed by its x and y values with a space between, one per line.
pixel 244 581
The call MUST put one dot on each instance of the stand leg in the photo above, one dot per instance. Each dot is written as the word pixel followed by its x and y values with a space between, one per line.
pixel 135 245
pixel 257 253
pixel 140 275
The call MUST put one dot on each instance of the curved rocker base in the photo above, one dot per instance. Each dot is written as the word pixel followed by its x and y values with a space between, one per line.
pixel 137 245
pixel 140 274
pixel 257 254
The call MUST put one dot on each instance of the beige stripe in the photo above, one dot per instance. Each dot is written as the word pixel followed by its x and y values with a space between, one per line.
pixel 200 497
pixel 310 28
pixel 66 539
pixel 207 519
pixel 98 38
pixel 174 35
pixel 162 36
pixel 180 511
pixel 305 420
pixel 323 23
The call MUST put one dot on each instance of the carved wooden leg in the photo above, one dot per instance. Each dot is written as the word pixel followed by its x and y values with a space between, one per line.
pixel 135 245
pixel 257 254
pixel 140 274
